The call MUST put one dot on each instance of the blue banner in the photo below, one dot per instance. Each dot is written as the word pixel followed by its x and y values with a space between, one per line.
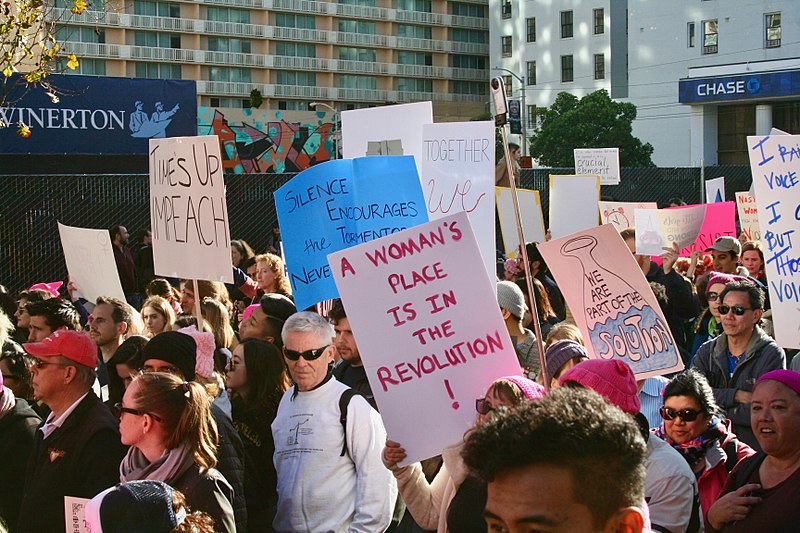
pixel 749 86
pixel 98 115
pixel 339 204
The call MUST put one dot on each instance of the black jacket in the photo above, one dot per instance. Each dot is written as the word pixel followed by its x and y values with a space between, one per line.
pixel 209 492
pixel 17 429
pixel 230 463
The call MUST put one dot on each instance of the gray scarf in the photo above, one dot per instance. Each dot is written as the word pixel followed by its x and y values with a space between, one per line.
pixel 167 468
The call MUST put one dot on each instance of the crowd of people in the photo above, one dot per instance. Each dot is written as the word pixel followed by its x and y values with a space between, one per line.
pixel 256 416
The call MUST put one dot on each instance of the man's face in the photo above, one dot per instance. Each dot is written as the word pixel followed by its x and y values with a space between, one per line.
pixel 123 235
pixel 723 262
pixel 187 299
pixel 739 326
pixel 346 343
pixel 255 326
pixel 22 316
pixel 48 381
pixel 307 374
pixel 38 329
pixel 102 328
pixel 159 365
pixel 147 240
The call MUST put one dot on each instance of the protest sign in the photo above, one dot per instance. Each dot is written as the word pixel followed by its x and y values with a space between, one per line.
pixel 659 228
pixel 603 162
pixel 458 175
pixel 715 190
pixel 530 210
pixel 621 214
pixel 89 254
pixel 428 327
pixel 338 204
pixel 775 163
pixel 748 215
pixel 188 211
pixel 386 130
pixel 720 219
pixel 573 204
pixel 75 514
pixel 612 303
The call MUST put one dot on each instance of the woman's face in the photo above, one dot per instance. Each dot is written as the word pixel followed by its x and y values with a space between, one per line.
pixel 236 257
pixel 494 401
pixel 751 260
pixel 131 429
pixel 154 321
pixel 265 277
pixel 237 373
pixel 8 378
pixel 22 316
pixel 775 419
pixel 680 430
pixel 125 373
pixel 714 300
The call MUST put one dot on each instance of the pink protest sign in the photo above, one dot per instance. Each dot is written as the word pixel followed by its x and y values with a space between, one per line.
pixel 720 220
pixel 613 304
pixel 424 313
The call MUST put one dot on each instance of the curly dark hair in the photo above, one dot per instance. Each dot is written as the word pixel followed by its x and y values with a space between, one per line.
pixel 695 385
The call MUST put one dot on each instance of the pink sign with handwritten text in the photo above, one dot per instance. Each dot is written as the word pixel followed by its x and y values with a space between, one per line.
pixel 428 327
pixel 720 220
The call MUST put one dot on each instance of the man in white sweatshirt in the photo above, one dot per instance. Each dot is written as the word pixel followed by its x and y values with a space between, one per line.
pixel 329 479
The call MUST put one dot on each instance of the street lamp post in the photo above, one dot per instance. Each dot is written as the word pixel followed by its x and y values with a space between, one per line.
pixel 336 125
pixel 523 112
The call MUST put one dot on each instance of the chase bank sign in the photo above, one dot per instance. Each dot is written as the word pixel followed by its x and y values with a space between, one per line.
pixel 750 86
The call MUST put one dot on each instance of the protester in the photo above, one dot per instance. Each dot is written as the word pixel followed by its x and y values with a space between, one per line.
pixel 158 315
pixel 257 379
pixel 453 501
pixel 208 289
pixel 502 178
pixel 172 438
pixel 110 323
pixel 512 307
pixel 753 260
pixel 568 462
pixel 734 360
pixel 240 251
pixel 761 494
pixel 126 267
pixel 266 320
pixel 143 258
pixel 327 456
pixel 215 313
pixel 540 271
pixel 710 321
pixel 124 366
pixel 77 451
pixel 161 287
pixel 651 399
pixel 271 276
pixel 350 369
pixel 21 314
pixel 511 270
pixel 725 252
pixel 14 365
pixel 560 357
pixel 564 331
pixel 48 316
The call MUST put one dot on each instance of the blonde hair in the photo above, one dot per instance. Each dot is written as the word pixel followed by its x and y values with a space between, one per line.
pixel 162 307
pixel 564 331
pixel 215 290
pixel 276 265
pixel 216 320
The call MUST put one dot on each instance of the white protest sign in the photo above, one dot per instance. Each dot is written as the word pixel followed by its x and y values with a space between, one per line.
pixel 715 190
pixel 573 204
pixel 188 211
pixel 603 162
pixel 428 327
pixel 89 254
pixel 659 228
pixel 75 514
pixel 530 208
pixel 748 215
pixel 458 175
pixel 775 164
pixel 621 214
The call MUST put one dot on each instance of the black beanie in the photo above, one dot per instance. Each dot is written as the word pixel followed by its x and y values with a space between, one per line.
pixel 176 348
pixel 139 507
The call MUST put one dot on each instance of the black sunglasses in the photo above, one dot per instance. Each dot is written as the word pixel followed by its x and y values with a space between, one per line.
pixel 738 310
pixel 308 355
pixel 119 409
pixel 712 296
pixel 687 415
pixel 39 364
pixel 483 406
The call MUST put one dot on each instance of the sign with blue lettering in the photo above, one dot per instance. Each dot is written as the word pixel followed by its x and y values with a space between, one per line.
pixel 98 115
pixel 749 86
pixel 338 204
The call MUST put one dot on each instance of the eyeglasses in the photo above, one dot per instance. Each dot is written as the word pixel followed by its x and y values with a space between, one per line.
pixel 39 364
pixel 687 415
pixel 167 369
pixel 308 355
pixel 738 310
pixel 483 406
pixel 712 296
pixel 119 409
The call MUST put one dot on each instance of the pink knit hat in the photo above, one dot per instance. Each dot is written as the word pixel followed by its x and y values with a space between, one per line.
pixel 249 311
pixel 51 287
pixel 206 345
pixel 530 389
pixel 719 277
pixel 790 378
pixel 611 379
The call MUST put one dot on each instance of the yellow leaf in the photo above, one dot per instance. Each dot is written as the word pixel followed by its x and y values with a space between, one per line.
pixel 23 131
pixel 7 72
pixel 79 6
pixel 73 62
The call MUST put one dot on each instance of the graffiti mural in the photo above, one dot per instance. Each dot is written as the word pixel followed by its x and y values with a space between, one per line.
pixel 255 142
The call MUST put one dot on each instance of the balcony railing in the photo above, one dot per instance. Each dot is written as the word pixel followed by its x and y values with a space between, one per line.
pixel 301 34
pixel 300 63
pixel 231 88
pixel 362 39
pixel 365 12
pixel 236 3
pixel 469 48
pixel 479 23
pixel 300 6
pixel 94 50
pixel 232 28
pixel 152 53
pixel 238 59
pixel 412 43
pixel 361 67
pixel 300 91
pixel 421 71
pixel 420 17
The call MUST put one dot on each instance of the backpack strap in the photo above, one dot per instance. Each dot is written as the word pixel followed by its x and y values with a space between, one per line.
pixel 749 466
pixel 730 452
pixel 344 401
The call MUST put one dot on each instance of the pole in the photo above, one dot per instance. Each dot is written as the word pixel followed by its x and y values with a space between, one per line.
pixel 524 115
pixel 197 314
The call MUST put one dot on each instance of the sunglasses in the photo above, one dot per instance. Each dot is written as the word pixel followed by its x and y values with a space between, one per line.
pixel 483 406
pixel 119 409
pixel 687 415
pixel 39 364
pixel 712 296
pixel 738 310
pixel 308 355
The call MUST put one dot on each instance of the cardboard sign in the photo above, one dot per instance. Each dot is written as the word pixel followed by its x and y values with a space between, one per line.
pixel 75 514
pixel 603 162
pixel 715 190
pixel 621 214
pixel 573 204
pixel 188 211
pixel 458 175
pixel 530 207
pixel 612 302
pixel 720 220
pixel 430 332
pixel 338 204
pixel 775 163
pixel 89 254
pixel 748 215
pixel 659 228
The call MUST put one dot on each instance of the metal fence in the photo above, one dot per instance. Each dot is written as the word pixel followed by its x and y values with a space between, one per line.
pixel 31 206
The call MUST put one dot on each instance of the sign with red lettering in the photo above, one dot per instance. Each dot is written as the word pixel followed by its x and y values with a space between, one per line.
pixel 611 301
pixel 424 313
pixel 748 215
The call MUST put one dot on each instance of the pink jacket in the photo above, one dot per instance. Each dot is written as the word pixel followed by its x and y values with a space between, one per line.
pixel 713 478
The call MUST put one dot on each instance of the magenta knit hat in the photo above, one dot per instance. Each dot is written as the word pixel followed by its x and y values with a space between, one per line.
pixel 719 277
pixel 530 389
pixel 790 378
pixel 611 379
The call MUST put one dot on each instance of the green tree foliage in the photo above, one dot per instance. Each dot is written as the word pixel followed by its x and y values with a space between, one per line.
pixel 256 99
pixel 594 121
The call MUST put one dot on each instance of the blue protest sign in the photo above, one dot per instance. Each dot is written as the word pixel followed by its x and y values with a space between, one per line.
pixel 339 204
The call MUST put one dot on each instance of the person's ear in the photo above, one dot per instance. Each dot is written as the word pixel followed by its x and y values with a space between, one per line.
pixel 122 327
pixel 626 520
pixel 505 312
pixel 757 314
pixel 69 377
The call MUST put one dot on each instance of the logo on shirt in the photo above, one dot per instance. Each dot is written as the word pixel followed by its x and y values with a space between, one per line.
pixel 55 454
pixel 296 431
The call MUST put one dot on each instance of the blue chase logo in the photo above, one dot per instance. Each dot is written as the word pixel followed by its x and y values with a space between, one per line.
pixel 753 85
pixel 153 126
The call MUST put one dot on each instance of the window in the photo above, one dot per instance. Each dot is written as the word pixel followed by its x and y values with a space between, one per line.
pixel 365 3
pixel 231 74
pixel 80 34
pixel 506 45
pixel 227 14
pixel 599 21
pixel 690 34
pixel 419 32
pixel 508 83
pixel 228 44
pixel 289 20
pixel 469 87
pixel 357 54
pixel 414 58
pixel 283 48
pixel 293 105
pixel 468 36
pixel 599 66
pixel 506 9
pixel 531 72
pixel 291 77
pixel 156 39
pixel 415 85
pixel 710 37
pixel 156 9
pixel 87 67
pixel 464 61
pixel 467 10
pixel 351 81
pixel 413 5
pixel 531 27
pixel 229 102
pixel 162 71
pixel 357 26
pixel 567 73
pixel 773 21
pixel 566 24
pixel 530 118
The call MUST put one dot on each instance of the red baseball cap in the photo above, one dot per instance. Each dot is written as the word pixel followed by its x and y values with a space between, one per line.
pixel 74 345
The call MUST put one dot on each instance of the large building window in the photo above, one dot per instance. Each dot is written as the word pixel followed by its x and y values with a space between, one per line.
pixel 351 81
pixel 690 34
pixel 80 34
pixel 156 9
pixel 413 5
pixel 156 39
pixel 530 118
pixel 87 67
pixel 567 72
pixel 414 85
pixel 464 9
pixel 505 43
pixel 357 54
pixel 228 44
pixel 230 74
pixel 566 24
pixel 414 58
pixel 710 37
pixel 469 87
pixel 461 35
pixel 234 103
pixel 599 66
pixel 418 32
pixel 357 26
pixel 163 71
pixel 364 3
pixel 465 61
pixel 291 77
pixel 509 85
pixel 506 9
pixel 531 73
pixel 284 48
pixel 228 14
pixel 599 21
pixel 530 25
pixel 773 23
pixel 290 20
